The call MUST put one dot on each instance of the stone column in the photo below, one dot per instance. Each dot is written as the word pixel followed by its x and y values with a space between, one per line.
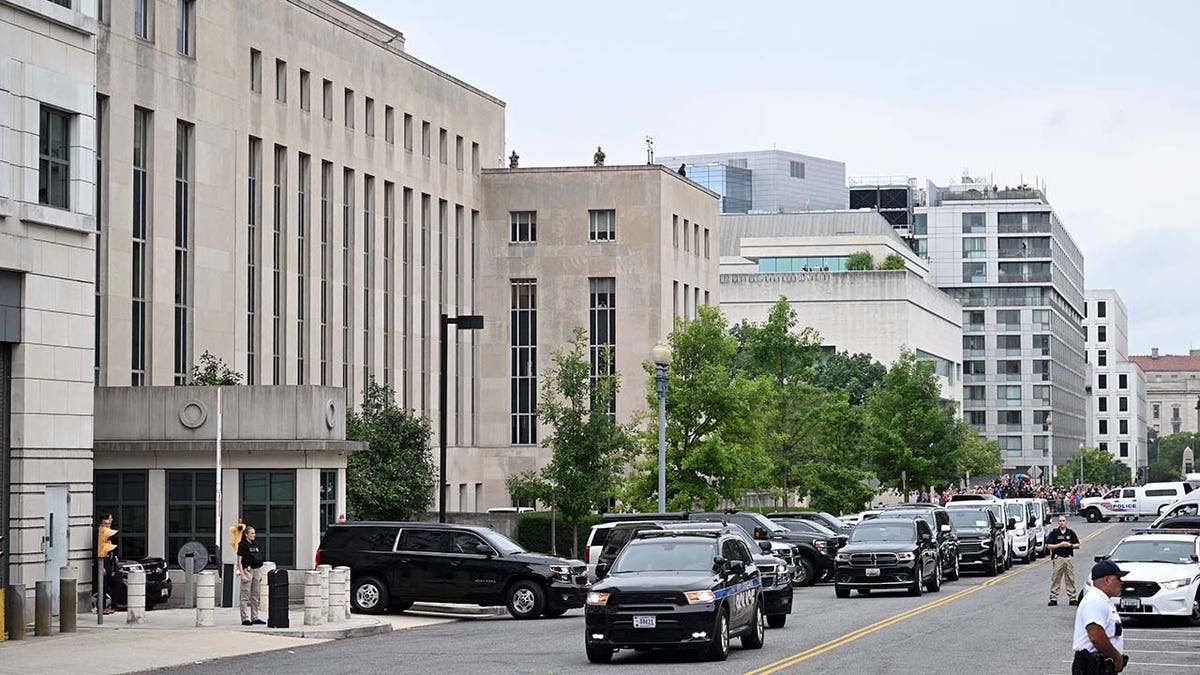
pixel 206 594
pixel 312 598
pixel 349 589
pixel 337 595
pixel 135 600
pixel 324 571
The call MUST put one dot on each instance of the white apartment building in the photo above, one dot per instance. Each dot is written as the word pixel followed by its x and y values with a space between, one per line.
pixel 1118 385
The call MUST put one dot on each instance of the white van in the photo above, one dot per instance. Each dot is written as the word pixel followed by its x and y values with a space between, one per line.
pixel 1019 513
pixel 1133 502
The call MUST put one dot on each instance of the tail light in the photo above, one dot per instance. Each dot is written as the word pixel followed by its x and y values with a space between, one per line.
pixel 317 562
pixel 587 554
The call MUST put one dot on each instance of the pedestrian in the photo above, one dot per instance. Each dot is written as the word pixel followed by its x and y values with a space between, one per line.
pixel 1097 641
pixel 1062 543
pixel 249 562
pixel 114 584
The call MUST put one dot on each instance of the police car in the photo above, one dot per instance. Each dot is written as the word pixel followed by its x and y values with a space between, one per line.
pixel 676 590
pixel 1163 574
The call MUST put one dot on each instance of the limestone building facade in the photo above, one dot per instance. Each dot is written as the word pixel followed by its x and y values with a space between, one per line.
pixel 1117 420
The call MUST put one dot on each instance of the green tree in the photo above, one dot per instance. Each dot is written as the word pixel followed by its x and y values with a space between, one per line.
pixel 1099 467
pixel 860 261
pixel 211 371
pixel 714 444
pixel 589 447
pixel 1166 458
pixel 893 262
pixel 394 477
pixel 855 373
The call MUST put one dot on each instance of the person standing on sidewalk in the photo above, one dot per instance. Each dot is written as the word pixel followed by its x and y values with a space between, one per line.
pixel 1062 543
pixel 249 563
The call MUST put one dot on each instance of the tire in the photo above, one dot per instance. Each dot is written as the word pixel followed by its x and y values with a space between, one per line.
pixel 955 573
pixel 1105 519
pixel 553 613
pixel 526 600
pixel 776 620
pixel 994 568
pixel 369 596
pixel 935 583
pixel 915 589
pixel 599 654
pixel 841 592
pixel 1092 515
pixel 754 637
pixel 806 573
pixel 1194 619
pixel 718 649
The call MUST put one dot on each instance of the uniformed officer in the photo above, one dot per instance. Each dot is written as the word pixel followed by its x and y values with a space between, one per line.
pixel 1098 642
pixel 1062 543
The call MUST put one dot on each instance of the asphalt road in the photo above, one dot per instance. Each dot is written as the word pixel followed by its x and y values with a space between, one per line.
pixel 975 625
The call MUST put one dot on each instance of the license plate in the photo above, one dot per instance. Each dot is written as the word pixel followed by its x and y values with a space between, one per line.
pixel 644 621
pixel 164 592
pixel 1131 603
pixel 872 571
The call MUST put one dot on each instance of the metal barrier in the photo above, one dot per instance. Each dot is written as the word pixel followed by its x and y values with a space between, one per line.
pixel 135 597
pixel 206 595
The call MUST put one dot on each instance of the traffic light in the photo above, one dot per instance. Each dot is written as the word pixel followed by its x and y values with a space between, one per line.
pixel 236 531
pixel 103 544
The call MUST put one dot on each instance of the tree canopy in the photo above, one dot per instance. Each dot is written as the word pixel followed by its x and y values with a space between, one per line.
pixel 394 478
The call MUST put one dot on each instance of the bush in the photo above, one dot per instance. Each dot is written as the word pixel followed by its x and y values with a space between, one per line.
pixel 892 262
pixel 860 261
pixel 533 533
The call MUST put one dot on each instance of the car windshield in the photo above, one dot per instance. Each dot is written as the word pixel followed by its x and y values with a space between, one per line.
pixel 969 519
pixel 833 520
pixel 1149 550
pixel 876 531
pixel 797 525
pixel 502 543
pixel 666 556
pixel 923 514
pixel 769 524
pixel 1015 511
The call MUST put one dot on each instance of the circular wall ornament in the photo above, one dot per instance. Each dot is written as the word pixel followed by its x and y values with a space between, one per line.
pixel 193 414
pixel 330 414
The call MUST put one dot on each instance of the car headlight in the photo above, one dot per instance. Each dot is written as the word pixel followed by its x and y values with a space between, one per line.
pixel 843 557
pixel 1019 532
pixel 906 557
pixel 1175 583
pixel 597 598
pixel 781 569
pixel 561 572
pixel 819 545
pixel 699 597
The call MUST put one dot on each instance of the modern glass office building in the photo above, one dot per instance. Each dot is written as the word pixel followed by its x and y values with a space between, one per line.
pixel 734 184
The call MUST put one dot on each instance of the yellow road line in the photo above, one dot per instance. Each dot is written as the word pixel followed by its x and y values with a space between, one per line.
pixel 800 657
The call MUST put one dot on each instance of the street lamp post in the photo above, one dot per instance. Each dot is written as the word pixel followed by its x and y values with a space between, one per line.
pixel 463 322
pixel 662 360
pixel 1050 445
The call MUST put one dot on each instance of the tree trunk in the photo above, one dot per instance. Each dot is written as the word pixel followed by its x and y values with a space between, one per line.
pixel 575 540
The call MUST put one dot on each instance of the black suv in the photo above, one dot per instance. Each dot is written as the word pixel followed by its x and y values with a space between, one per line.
pixel 393 565
pixel 676 590
pixel 829 520
pixel 938 519
pixel 981 538
pixel 815 561
pixel 888 553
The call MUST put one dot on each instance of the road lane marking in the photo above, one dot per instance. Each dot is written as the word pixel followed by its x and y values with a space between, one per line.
pixel 843 640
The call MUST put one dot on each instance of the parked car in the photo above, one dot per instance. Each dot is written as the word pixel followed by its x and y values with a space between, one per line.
pixel 595 544
pixel 676 590
pixel 158 582
pixel 972 497
pixel 392 565
pixel 815 527
pixel 829 520
pixel 1163 574
pixel 888 553
pixel 1188 506
pixel 1017 513
pixel 1150 499
pixel 997 508
pixel 814 562
pixel 853 519
pixel 981 538
pixel 1038 525
pixel 938 519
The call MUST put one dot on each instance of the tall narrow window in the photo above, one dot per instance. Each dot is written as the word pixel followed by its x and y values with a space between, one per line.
pixel 458 309
pixel 142 19
pixel 475 158
pixel 458 152
pixel 406 239
pixel 327 99
pixel 256 71
pixel 389 124
pixel 408 132
pixel 369 116
pixel 443 227
pixel 54 158
pixel 302 220
pixel 474 394
pixel 253 203
pixel 443 146
pixel 98 287
pixel 183 229
pixel 305 90
pixel 348 108
pixel 184 23
pixel 523 327
pixel 141 215
pixel 281 80
pixel 426 140
pixel 278 221
pixel 389 222
pixel 602 333
pixel 347 269
pixel 326 264
pixel 426 206
pixel 368 276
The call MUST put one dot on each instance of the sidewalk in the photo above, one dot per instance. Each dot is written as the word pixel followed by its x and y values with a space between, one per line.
pixel 169 637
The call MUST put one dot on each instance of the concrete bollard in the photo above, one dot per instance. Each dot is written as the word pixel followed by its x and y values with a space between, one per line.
pixel 324 570
pixel 43 597
pixel 349 587
pixel 135 599
pixel 312 598
pixel 206 595
pixel 68 600
pixel 337 596
pixel 15 611
pixel 264 597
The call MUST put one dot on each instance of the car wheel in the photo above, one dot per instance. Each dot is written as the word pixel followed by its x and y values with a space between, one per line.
pixel 776 621
pixel 718 649
pixel 806 574
pixel 915 588
pixel 553 613
pixel 994 567
pixel 1194 618
pixel 954 572
pixel 841 592
pixel 369 596
pixel 526 600
pixel 1092 515
pixel 935 582
pixel 753 639
pixel 599 654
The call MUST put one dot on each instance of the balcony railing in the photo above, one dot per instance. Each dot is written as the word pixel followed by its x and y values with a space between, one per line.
pixel 1037 252
pixel 984 192
pixel 1023 228
pixel 1004 302
pixel 1024 278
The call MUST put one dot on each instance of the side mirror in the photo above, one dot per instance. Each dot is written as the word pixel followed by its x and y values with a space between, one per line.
pixel 1100 557
pixel 484 549
pixel 719 564
pixel 1194 557
pixel 1012 523
pixel 945 528
pixel 601 570
pixel 737 567
pixel 764 546
pixel 1033 522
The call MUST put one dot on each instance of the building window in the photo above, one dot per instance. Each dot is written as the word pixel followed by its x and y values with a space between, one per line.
pixel 348 107
pixel 1103 429
pixel 977 418
pixel 368 276
pixel 1041 394
pixel 124 494
pixel 184 28
pixel 1124 448
pixel 389 222
pixel 1010 393
pixel 279 218
pixel 327 499
pixel 602 331
pixel 523 327
pixel 327 100
pixel 183 228
pixel 1008 370
pixel 347 269
pixel 1009 345
pixel 281 80
pixel 974 223
pixel 1102 357
pixel 423 271
pixel 326 263
pixel 54 158
pixel 974 273
pixel 1123 404
pixel 1102 404
pixel 696 238
pixel 406 239
pixel 1123 381
pixel 1123 427
pixel 253 202
pixel 974 247
pixel 797 169
pixel 1101 333
pixel 706 246
pixel 686 239
pixel 522 227
pixel 475 158
pixel 256 71
pixel 369 116
pixel 459 268
pixel 389 124
pixel 408 131
pixel 269 506
pixel 1008 319
pixel 426 139
pixel 191 512
pixel 443 146
pixel 305 90
pixel 1102 381
pixel 674 231
pixel 143 19
pixel 99 286
pixel 1010 419
pixel 141 215
pixel 1010 445
pixel 1103 445
pixel 458 152
pixel 602 225
pixel 1041 370
pixel 1041 319
pixel 1101 309
pixel 1156 410
pixel 302 253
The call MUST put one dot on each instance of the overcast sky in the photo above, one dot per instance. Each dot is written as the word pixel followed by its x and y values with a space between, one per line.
pixel 1099 99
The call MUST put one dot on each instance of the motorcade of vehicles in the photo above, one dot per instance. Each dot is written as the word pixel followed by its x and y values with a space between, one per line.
pixel 981 538
pixel 676 590
pixel 889 553
pixel 1018 515
pixel 813 562
pixel 1163 574
pixel 815 527
pixel 829 520
pixel 394 564
pixel 997 508
pixel 944 535
pixel 1134 502
pixel 1037 525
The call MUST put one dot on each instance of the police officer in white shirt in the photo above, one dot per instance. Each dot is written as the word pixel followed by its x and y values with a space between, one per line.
pixel 1098 642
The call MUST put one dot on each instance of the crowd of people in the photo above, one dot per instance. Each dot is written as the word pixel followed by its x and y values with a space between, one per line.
pixel 1062 498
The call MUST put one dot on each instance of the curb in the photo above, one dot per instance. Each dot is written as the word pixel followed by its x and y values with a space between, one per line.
pixel 459 611
pixel 325 633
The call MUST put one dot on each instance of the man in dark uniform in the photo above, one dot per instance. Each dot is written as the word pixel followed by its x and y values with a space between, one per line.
pixel 1062 543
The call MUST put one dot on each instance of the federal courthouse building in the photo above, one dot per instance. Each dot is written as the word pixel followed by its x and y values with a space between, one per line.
pixel 280 184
